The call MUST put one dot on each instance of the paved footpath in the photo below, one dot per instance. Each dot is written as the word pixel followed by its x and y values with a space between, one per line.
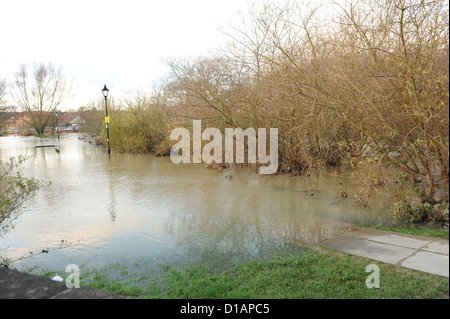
pixel 17 285
pixel 425 254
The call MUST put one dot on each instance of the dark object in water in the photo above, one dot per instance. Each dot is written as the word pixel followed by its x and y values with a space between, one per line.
pixel 343 193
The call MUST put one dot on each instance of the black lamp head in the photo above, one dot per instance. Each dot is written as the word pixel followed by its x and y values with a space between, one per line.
pixel 105 91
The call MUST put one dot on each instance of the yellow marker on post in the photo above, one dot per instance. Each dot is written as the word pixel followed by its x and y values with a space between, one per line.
pixel 105 92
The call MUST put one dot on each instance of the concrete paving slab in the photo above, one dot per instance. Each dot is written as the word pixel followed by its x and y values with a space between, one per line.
pixel 378 251
pixel 429 262
pixel 415 252
pixel 398 240
pixel 437 247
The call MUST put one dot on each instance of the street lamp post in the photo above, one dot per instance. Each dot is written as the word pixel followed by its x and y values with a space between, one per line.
pixel 14 129
pixel 57 125
pixel 105 92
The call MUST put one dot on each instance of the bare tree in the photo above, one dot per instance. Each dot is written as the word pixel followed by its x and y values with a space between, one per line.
pixel 41 95
pixel 3 87
pixel 396 86
pixel 3 91
pixel 4 108
pixel 344 81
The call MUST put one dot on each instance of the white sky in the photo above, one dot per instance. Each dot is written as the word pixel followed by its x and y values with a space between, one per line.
pixel 122 44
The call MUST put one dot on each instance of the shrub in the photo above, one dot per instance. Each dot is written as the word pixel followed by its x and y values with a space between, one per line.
pixel 15 190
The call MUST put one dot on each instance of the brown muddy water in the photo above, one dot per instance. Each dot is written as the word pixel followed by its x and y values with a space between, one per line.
pixel 127 207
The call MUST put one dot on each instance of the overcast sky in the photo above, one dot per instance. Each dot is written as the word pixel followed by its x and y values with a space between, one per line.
pixel 122 44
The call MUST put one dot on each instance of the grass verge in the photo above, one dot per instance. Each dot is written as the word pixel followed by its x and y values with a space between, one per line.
pixel 417 230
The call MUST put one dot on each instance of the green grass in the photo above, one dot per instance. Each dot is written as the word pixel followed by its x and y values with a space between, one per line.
pixel 313 274
pixel 417 230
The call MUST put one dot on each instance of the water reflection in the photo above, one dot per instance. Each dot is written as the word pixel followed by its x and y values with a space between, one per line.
pixel 140 206
pixel 112 211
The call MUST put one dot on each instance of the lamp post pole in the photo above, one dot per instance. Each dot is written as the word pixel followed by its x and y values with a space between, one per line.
pixel 57 124
pixel 105 92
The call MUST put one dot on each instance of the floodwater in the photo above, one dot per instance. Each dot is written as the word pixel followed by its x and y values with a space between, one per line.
pixel 140 207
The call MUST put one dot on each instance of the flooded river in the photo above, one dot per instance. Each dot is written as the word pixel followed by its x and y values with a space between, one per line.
pixel 140 207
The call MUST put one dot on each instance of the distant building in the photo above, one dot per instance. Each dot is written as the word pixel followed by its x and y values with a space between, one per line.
pixel 77 122
pixel 23 121
pixel 70 121
pixel 18 122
